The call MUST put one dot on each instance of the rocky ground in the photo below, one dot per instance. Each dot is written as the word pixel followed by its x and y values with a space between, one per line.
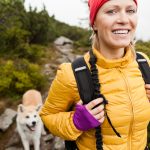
pixel 9 138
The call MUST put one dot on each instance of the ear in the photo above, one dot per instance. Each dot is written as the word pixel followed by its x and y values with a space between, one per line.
pixel 38 107
pixel 20 108
pixel 94 27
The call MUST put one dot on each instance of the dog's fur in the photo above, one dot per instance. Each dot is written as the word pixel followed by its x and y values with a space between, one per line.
pixel 29 124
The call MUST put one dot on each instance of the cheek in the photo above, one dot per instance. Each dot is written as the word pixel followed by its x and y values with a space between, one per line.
pixel 103 27
pixel 134 22
pixel 101 22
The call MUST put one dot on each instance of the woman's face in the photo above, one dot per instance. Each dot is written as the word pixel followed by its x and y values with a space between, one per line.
pixel 116 22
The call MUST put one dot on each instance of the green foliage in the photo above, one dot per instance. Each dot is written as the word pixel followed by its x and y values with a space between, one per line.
pixel 77 34
pixel 15 38
pixel 12 28
pixel 17 77
pixel 143 47
pixel 6 76
pixel 38 26
pixel 20 29
pixel 31 52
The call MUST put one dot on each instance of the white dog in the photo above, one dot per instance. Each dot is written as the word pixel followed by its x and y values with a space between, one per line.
pixel 29 124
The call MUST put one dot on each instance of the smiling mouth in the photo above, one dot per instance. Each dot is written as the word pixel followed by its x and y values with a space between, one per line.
pixel 123 31
pixel 31 128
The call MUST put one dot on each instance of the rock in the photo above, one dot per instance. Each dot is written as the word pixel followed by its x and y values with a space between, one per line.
pixel 59 144
pixel 14 141
pixel 50 66
pixel 48 137
pixel 71 57
pixel 61 41
pixel 6 119
pixel 64 45
pixel 64 49
pixel 2 107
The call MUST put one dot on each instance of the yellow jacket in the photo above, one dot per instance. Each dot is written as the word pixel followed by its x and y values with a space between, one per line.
pixel 128 106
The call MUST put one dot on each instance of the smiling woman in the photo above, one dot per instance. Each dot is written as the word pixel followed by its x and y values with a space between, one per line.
pixel 119 107
pixel 114 26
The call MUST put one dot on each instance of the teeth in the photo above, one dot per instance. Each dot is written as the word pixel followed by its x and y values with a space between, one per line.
pixel 120 31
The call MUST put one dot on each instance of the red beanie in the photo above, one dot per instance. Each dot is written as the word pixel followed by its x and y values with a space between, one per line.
pixel 94 6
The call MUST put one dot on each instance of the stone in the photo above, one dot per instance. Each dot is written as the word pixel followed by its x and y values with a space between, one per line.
pixel 6 119
pixel 61 41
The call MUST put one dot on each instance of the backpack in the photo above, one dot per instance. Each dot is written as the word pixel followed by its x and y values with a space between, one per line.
pixel 85 86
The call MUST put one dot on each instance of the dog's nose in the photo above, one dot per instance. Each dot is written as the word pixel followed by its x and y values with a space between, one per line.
pixel 33 123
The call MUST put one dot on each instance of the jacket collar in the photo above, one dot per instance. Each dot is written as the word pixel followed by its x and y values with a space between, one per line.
pixel 108 63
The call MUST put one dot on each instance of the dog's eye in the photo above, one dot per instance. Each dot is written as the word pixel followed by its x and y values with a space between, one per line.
pixel 35 116
pixel 27 116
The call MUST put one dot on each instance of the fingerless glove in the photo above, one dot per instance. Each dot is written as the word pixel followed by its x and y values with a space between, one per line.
pixel 83 120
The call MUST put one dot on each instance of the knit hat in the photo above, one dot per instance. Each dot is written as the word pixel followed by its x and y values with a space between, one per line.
pixel 94 6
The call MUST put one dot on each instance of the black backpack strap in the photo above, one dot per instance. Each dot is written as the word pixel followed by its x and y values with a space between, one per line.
pixel 144 67
pixel 145 70
pixel 70 145
pixel 83 79
pixel 85 87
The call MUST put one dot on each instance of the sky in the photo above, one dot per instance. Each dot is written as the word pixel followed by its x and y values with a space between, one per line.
pixel 74 12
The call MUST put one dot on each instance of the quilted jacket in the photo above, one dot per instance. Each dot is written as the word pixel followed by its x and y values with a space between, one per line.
pixel 128 106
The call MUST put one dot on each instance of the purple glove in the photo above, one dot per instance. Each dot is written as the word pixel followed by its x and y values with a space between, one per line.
pixel 83 120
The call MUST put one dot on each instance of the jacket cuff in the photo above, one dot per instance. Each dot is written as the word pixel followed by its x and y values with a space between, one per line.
pixel 79 132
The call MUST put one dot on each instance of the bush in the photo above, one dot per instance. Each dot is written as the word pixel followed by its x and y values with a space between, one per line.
pixel 16 78
pixel 31 52
pixel 143 47
pixel 6 76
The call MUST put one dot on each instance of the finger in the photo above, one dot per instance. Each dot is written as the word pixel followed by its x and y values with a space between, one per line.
pixel 99 116
pixel 147 86
pixel 93 103
pixel 101 120
pixel 80 102
pixel 97 110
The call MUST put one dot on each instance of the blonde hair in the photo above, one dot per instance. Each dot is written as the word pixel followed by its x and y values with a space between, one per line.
pixel 95 40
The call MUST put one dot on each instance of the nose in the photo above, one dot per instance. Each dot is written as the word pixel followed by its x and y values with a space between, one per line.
pixel 34 123
pixel 123 18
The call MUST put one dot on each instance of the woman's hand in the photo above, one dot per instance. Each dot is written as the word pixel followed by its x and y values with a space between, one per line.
pixel 147 87
pixel 97 112
pixel 88 116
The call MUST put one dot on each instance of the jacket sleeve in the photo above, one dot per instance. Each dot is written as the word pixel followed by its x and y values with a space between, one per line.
pixel 60 98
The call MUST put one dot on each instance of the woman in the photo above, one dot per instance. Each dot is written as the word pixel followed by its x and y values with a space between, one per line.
pixel 114 23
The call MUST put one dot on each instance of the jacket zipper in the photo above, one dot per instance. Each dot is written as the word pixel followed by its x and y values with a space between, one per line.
pixel 131 108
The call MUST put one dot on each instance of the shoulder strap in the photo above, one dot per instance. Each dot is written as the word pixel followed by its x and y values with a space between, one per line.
pixel 144 67
pixel 83 78
pixel 85 87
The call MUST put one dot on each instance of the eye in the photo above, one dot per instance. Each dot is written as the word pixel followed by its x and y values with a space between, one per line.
pixel 35 116
pixel 27 117
pixel 111 11
pixel 131 11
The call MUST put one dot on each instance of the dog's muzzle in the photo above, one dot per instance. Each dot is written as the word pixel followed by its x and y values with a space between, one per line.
pixel 31 128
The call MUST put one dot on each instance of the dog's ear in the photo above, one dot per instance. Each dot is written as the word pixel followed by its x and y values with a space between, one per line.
pixel 20 108
pixel 38 107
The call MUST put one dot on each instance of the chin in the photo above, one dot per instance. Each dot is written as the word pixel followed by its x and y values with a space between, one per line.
pixel 121 44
